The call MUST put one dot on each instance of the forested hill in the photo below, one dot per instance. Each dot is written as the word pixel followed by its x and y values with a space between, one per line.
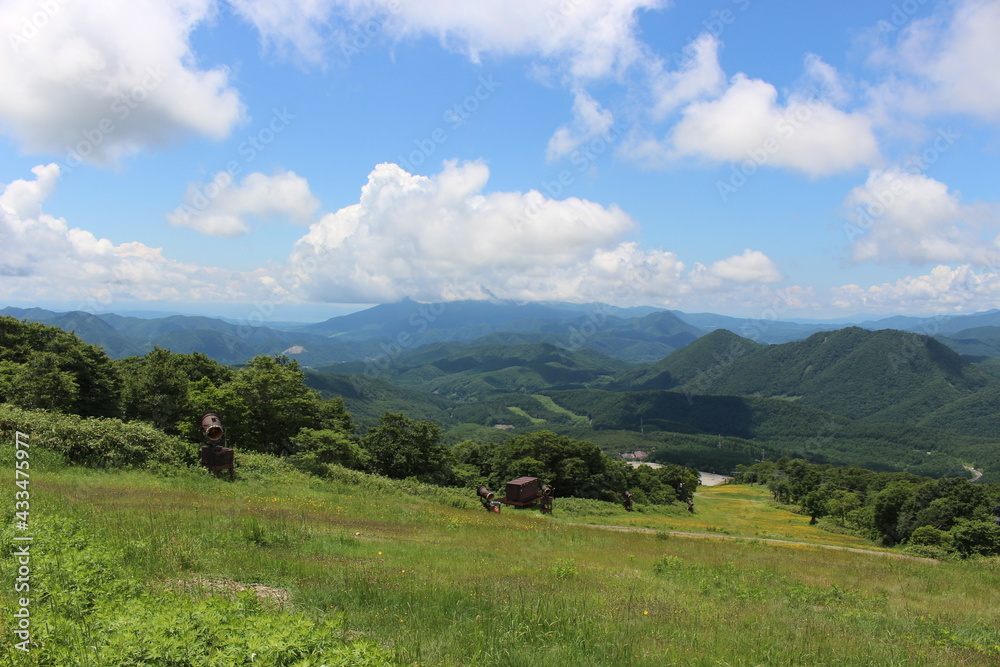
pixel 876 376
pixel 468 372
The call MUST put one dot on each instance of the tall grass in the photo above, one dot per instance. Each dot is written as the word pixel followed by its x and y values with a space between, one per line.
pixel 400 573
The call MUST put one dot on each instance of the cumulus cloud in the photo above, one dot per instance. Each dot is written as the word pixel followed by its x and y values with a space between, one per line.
pixel 595 38
pixel 902 216
pixel 946 63
pixel 698 76
pixel 806 134
pixel 223 209
pixel 96 81
pixel 589 122
pixel 752 266
pixel 743 120
pixel 42 257
pixel 442 237
pixel 945 289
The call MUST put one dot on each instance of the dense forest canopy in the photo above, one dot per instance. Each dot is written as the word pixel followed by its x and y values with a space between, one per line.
pixel 143 410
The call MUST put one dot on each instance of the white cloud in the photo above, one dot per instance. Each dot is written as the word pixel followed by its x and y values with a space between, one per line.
pixel 441 237
pixel 96 81
pixel 944 64
pixel 910 217
pixel 42 257
pixel 697 77
pixel 743 121
pixel 747 123
pixel 589 122
pixel 752 266
pixel 221 208
pixel 594 37
pixel 945 289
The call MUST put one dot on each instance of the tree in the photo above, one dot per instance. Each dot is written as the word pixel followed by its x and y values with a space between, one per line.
pixel 90 369
pixel 399 447
pixel 40 384
pixel 154 389
pixel 573 467
pixel 331 446
pixel 841 503
pixel 977 538
pixel 886 507
pixel 278 403
pixel 815 503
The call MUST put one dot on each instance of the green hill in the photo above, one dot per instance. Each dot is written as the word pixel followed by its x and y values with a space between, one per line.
pixel 367 398
pixel 279 569
pixel 876 376
pixel 782 426
pixel 694 364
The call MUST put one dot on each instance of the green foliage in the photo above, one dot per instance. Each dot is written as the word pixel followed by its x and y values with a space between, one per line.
pixel 565 568
pixel 47 368
pixel 977 538
pixel 95 442
pixel 399 447
pixel 85 604
pixel 940 516
pixel 330 446
pixel 155 389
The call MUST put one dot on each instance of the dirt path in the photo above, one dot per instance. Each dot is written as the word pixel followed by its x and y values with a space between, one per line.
pixel 715 536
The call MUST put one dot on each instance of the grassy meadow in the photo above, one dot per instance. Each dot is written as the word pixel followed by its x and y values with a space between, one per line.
pixel 277 568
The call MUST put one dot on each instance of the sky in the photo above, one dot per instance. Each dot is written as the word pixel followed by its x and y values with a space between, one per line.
pixel 281 160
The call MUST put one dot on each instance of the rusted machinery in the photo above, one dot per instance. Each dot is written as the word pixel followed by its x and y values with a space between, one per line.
pixel 214 454
pixel 521 492
pixel 486 498
pixel 545 505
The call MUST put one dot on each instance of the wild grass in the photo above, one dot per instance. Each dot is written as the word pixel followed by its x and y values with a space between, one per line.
pixel 400 573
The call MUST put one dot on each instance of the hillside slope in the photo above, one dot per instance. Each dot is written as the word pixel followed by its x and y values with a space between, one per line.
pixel 877 376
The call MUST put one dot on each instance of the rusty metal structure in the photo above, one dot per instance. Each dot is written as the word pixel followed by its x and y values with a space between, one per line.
pixel 486 498
pixel 545 505
pixel 214 454
pixel 522 492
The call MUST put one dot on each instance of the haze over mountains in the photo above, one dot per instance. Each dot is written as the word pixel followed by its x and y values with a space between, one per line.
pixel 639 335
pixel 688 387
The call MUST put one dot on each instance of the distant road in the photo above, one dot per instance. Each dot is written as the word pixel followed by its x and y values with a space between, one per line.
pixel 975 473
pixel 706 478
pixel 711 479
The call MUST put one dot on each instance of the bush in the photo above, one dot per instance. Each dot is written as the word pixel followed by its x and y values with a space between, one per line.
pixel 96 442
pixel 931 536
pixel 977 538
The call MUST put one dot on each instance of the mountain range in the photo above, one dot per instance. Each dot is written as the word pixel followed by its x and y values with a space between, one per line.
pixel 687 387
pixel 637 335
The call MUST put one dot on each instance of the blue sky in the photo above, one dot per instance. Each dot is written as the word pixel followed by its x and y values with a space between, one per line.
pixel 298 160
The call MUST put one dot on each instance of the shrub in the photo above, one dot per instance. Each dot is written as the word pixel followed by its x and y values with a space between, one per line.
pixel 96 442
